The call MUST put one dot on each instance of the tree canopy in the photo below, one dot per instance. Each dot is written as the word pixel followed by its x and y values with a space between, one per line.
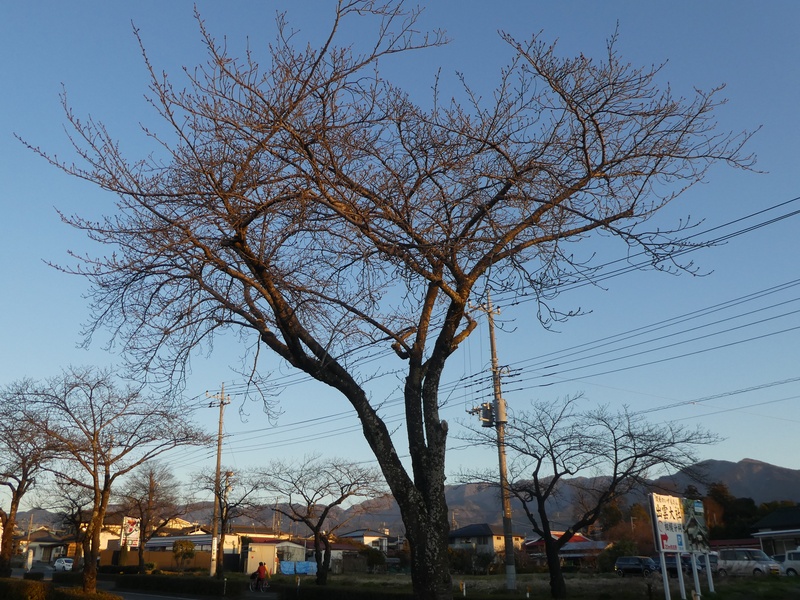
pixel 303 201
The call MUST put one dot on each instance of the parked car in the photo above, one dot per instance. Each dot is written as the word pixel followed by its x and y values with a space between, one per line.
pixel 63 564
pixel 713 561
pixel 686 564
pixel 789 562
pixel 746 561
pixel 635 565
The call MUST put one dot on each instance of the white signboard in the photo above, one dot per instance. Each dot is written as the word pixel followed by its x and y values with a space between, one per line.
pixel 130 532
pixel 668 523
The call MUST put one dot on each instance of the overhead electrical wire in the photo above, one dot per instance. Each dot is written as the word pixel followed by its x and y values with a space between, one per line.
pixel 289 380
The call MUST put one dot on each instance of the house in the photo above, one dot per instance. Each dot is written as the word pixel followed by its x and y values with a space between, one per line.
pixel 483 538
pixel 578 551
pixel 779 531
pixel 369 537
pixel 158 550
pixel 44 545
pixel 272 552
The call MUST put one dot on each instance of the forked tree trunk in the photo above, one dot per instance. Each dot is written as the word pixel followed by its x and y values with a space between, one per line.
pixel 323 559
pixel 558 587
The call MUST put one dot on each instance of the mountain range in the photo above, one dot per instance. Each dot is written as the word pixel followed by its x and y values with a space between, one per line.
pixel 473 503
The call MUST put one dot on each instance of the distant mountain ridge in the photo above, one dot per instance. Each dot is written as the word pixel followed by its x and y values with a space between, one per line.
pixel 473 503
pixel 748 478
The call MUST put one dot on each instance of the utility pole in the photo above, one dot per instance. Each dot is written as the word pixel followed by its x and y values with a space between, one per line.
pixel 495 415
pixel 223 400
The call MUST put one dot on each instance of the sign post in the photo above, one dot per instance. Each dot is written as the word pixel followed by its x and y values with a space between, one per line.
pixel 679 526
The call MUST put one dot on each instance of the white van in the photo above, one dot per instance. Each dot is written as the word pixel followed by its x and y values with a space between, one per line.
pixel 746 561
pixel 790 565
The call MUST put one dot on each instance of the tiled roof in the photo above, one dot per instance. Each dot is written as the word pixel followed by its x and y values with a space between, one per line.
pixel 787 517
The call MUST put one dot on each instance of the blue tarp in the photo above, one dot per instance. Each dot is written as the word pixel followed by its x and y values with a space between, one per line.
pixel 306 567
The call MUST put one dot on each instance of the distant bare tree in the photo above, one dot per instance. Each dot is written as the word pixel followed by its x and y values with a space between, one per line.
pixel 24 453
pixel 309 489
pixel 99 432
pixel 73 508
pixel 238 496
pixel 599 454
pixel 152 494
pixel 317 210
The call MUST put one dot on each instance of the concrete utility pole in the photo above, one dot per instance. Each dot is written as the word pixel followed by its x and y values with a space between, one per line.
pixel 215 519
pixel 495 415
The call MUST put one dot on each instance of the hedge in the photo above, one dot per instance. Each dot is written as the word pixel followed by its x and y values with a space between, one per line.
pixel 24 589
pixel 79 594
pixel 27 589
pixel 68 578
pixel 180 584
pixel 119 569
pixel 310 591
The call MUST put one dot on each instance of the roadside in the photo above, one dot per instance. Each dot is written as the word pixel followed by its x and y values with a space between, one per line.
pixel 108 586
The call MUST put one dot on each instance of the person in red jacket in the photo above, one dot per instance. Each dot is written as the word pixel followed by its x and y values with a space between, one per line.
pixel 261 576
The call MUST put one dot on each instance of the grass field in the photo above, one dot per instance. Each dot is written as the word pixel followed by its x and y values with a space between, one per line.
pixel 589 587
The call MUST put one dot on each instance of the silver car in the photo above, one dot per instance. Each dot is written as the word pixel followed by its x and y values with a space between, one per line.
pixel 790 562
pixel 746 561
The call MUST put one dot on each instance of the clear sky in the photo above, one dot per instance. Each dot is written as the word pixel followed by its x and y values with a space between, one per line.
pixel 726 347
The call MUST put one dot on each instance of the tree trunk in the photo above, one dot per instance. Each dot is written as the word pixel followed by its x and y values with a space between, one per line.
pixel 558 587
pixel 144 526
pixel 90 563
pixel 430 566
pixel 140 554
pixel 221 553
pixel 7 541
pixel 322 556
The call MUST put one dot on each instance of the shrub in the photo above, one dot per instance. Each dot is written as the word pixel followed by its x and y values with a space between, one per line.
pixel 68 578
pixel 33 575
pixel 21 589
pixel 119 569
pixel 182 551
pixel 79 594
pixel 206 586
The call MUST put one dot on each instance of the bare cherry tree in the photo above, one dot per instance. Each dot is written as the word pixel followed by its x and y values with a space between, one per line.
pixel 238 495
pixel 153 495
pixel 317 208
pixel 24 454
pixel 310 490
pixel 593 456
pixel 73 508
pixel 99 432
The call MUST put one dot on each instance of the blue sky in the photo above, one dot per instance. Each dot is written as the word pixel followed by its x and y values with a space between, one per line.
pixel 701 374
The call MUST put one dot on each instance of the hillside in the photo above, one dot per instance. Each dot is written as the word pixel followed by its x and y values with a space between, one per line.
pixel 471 503
pixel 747 478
